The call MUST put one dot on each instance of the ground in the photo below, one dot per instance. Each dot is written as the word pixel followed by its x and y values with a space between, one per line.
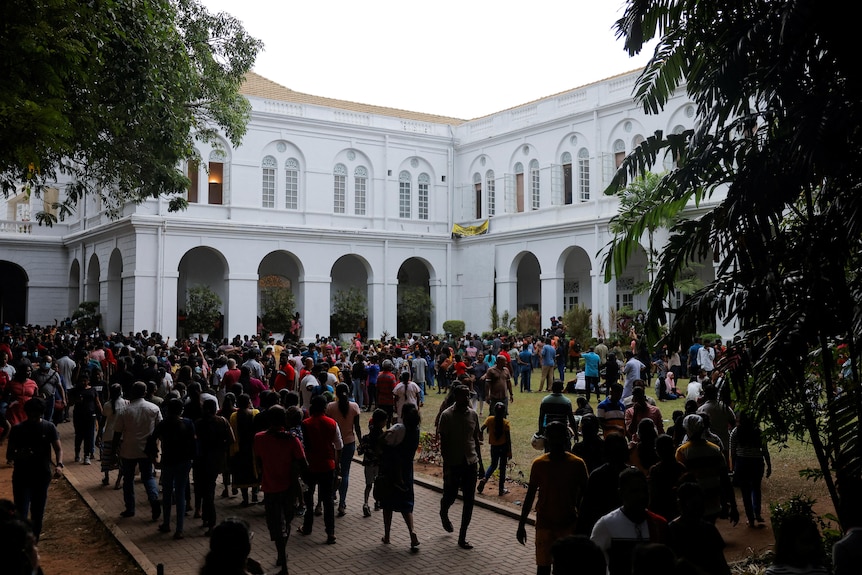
pixel 75 542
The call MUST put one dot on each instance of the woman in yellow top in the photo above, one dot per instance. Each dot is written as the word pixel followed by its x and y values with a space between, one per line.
pixel 500 440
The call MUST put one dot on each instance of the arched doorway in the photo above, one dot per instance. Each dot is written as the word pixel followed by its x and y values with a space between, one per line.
pixel 74 287
pixel 414 297
pixel 91 287
pixel 13 293
pixel 350 295
pixel 278 283
pixel 113 312
pixel 202 266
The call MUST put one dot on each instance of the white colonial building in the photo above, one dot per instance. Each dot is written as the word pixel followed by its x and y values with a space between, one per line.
pixel 328 195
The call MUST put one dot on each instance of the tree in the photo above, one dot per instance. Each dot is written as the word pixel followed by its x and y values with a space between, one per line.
pixel 414 309
pixel 777 148
pixel 114 94
pixel 349 310
pixel 277 311
pixel 203 308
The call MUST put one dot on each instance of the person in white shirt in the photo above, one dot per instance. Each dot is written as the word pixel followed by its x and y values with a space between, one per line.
pixel 706 357
pixel 406 391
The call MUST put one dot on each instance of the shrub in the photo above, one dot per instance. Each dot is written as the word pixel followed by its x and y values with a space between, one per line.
pixel 203 307
pixel 454 326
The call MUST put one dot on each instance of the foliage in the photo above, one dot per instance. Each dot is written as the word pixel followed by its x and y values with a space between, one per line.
pixel 414 310
pixel 114 94
pixel 528 321
pixel 507 323
pixel 279 306
pixel 87 316
pixel 800 506
pixel 429 448
pixel 349 310
pixel 578 322
pixel 495 317
pixel 203 308
pixel 456 327
pixel 775 92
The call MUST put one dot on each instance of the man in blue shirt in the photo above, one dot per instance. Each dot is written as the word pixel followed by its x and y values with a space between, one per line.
pixel 549 362
pixel 591 371
pixel 525 362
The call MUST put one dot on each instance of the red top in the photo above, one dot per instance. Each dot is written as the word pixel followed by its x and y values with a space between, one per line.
pixel 229 378
pixel 277 451
pixel 320 435
pixel 385 387
pixel 285 378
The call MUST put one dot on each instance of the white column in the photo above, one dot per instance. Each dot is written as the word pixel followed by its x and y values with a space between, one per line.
pixel 376 310
pixel 552 297
pixel 604 298
pixel 166 316
pixel 390 306
pixel 507 296
pixel 440 310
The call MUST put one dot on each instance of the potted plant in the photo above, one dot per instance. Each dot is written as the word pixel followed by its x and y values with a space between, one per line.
pixel 277 307
pixel 203 307
pixel 349 310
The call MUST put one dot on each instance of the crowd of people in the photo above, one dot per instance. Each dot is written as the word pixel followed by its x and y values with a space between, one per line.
pixel 284 420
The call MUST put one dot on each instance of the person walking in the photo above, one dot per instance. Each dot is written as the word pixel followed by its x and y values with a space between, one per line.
pixel 133 427
pixel 87 409
pixel 323 445
pixel 500 441
pixel 346 415
pixel 560 479
pixel 281 460
pixel 396 465
pixel 214 438
pixel 459 445
pixel 549 362
pixel 176 436
pixel 112 408
pixel 29 449
pixel 749 456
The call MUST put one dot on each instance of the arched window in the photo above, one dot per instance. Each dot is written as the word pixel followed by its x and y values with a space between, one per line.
pixel 583 175
pixel 268 167
pixel 193 168
pixel 404 193
pixel 490 186
pixel 291 184
pixel 424 183
pixel 534 185
pixel 360 183
pixel 339 189
pixel 217 177
pixel 619 153
pixel 519 186
pixel 566 162
pixel 477 195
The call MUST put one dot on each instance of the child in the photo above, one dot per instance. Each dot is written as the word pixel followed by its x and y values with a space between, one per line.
pixel 500 440
pixel 369 449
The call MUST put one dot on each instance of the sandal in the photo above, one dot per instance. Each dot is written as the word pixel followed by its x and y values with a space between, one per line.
pixel 414 542
pixel 301 530
pixel 384 540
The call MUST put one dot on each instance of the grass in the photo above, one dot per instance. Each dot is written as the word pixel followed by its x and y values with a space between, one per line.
pixel 523 419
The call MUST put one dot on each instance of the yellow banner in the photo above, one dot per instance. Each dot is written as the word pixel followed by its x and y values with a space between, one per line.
pixel 459 231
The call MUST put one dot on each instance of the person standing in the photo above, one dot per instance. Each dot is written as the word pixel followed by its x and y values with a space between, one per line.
pixel 556 407
pixel 323 445
pixel 420 368
pixel 214 437
pixel 459 445
pixel 50 386
pixel 560 479
pixel 281 460
pixel 386 383
pixel 498 385
pixel 29 449
pixel 591 371
pixel 631 372
pixel 549 362
pixel 176 434
pixel 133 427
pixel 525 363
pixel 749 456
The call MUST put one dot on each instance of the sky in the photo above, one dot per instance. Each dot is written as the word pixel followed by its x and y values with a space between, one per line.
pixel 457 58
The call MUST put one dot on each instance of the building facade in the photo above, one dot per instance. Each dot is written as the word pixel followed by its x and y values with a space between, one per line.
pixel 326 195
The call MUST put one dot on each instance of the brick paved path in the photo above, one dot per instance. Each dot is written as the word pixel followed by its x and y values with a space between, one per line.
pixel 357 551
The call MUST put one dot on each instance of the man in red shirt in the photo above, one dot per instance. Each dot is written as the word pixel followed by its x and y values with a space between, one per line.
pixel 281 459
pixel 323 445
pixel 285 377
pixel 230 377
pixel 386 383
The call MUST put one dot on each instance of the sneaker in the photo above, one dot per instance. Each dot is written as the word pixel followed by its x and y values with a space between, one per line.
pixel 87 460
pixel 300 510
pixel 481 487
pixel 366 511
pixel 77 459
pixel 376 506
pixel 318 511
pixel 342 510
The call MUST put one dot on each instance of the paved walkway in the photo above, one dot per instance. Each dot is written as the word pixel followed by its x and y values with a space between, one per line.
pixel 358 550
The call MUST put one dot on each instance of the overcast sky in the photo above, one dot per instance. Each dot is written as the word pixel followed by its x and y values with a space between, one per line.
pixel 460 58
